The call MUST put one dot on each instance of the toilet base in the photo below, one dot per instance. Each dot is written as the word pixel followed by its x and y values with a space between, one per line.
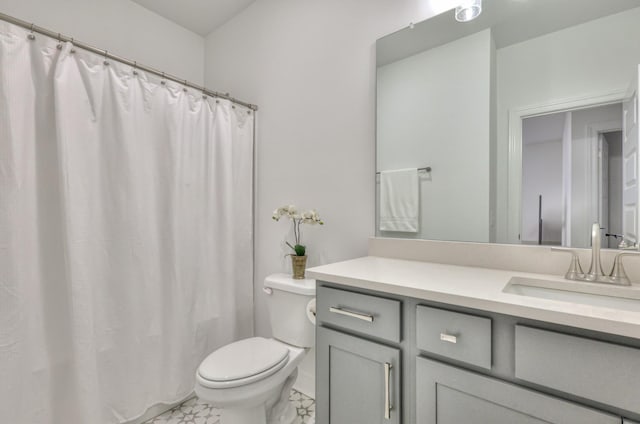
pixel 277 410
pixel 282 411
pixel 257 416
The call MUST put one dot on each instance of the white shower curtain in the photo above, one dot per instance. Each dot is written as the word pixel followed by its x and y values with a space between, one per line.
pixel 125 234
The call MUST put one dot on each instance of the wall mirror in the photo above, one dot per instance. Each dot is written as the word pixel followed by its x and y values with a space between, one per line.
pixel 517 127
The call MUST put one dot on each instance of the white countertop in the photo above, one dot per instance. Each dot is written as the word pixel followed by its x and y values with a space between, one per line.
pixel 472 287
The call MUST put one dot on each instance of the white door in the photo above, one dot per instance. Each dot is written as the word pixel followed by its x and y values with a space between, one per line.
pixel 566 178
pixel 630 142
pixel 603 189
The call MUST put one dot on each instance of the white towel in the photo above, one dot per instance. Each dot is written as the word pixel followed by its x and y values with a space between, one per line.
pixel 399 200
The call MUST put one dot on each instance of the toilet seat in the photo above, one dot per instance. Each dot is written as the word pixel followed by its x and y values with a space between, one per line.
pixel 243 362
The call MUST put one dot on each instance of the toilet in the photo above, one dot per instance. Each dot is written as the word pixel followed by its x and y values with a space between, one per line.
pixel 250 380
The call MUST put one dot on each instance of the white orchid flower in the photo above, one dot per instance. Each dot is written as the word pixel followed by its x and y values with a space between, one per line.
pixel 288 210
pixel 307 217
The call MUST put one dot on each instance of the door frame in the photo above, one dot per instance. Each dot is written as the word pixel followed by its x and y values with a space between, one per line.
pixel 516 115
pixel 594 132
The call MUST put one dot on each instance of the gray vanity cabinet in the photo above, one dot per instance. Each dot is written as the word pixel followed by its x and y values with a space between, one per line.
pixel 359 382
pixel 382 355
pixel 451 395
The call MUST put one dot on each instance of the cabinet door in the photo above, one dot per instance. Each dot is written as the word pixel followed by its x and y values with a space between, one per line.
pixel 448 395
pixel 358 381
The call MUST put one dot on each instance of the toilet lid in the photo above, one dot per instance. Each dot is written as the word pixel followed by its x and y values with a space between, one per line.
pixel 242 359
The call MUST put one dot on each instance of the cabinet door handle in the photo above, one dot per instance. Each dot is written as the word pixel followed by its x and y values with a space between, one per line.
pixel 387 391
pixel 448 338
pixel 345 312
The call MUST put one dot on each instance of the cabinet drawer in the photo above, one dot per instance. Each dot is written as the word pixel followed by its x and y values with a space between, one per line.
pixel 371 315
pixel 599 371
pixel 458 336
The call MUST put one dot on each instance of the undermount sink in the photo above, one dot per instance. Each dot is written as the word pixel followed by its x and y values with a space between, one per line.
pixel 594 294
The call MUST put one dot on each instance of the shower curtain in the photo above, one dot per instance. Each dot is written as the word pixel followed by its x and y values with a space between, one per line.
pixel 125 234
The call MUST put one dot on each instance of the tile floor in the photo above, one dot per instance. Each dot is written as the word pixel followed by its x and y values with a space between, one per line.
pixel 195 411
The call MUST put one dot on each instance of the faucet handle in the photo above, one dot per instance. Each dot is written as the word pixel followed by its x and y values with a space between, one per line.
pixel 575 271
pixel 618 274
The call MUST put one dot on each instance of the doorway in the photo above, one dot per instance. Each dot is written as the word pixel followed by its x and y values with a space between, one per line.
pixel 572 176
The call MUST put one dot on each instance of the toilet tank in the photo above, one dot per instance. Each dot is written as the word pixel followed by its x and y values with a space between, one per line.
pixel 288 301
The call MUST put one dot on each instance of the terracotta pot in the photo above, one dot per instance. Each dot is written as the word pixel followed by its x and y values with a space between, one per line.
pixel 299 264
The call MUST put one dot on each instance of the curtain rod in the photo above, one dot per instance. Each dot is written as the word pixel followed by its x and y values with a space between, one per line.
pixel 57 36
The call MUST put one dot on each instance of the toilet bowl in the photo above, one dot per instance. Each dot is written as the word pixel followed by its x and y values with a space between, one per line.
pixel 250 380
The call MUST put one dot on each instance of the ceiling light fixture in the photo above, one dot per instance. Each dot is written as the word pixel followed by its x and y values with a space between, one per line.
pixel 469 10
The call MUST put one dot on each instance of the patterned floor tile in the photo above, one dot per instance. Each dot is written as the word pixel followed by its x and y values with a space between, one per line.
pixel 195 411
pixel 305 406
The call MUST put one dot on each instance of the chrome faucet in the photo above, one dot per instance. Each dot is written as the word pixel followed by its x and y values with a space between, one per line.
pixel 595 270
pixel 595 274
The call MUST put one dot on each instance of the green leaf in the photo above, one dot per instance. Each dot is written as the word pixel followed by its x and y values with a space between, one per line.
pixel 298 248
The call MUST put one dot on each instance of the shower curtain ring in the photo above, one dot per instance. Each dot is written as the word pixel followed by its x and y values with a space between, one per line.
pixel 163 82
pixel 59 46
pixel 31 36
pixel 185 86
pixel 106 55
pixel 135 68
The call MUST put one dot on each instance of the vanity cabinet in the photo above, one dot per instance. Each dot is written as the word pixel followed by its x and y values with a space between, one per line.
pixel 358 358
pixel 371 316
pixel 395 359
pixel 451 395
pixel 579 366
pixel 462 337
pixel 359 382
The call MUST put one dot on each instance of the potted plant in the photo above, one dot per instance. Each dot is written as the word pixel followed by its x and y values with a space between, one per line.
pixel 299 255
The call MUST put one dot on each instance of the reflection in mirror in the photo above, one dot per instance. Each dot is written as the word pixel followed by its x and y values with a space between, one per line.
pixel 557 173
pixel 525 101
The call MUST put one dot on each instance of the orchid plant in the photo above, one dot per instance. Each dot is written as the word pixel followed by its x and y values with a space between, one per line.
pixel 310 217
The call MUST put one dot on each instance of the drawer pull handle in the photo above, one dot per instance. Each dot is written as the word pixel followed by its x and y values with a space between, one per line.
pixel 448 338
pixel 387 391
pixel 340 311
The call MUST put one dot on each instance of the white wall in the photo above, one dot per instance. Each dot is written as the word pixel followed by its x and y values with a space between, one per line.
pixel 542 175
pixel 310 66
pixel 561 65
pixel 123 28
pixel 614 139
pixel 421 100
